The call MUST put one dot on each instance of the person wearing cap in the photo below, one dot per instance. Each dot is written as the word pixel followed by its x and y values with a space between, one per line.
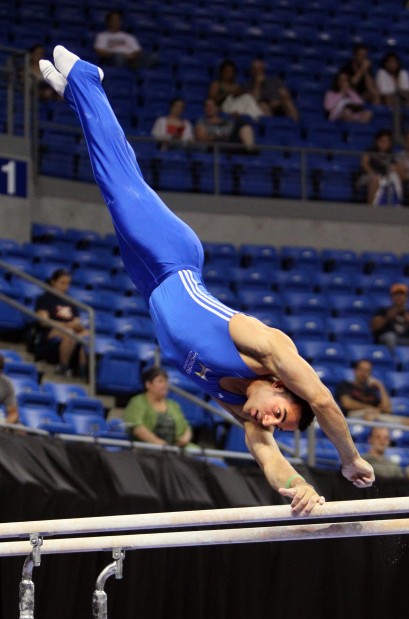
pixel 390 325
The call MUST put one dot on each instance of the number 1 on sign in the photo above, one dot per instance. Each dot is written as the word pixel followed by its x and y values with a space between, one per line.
pixel 10 169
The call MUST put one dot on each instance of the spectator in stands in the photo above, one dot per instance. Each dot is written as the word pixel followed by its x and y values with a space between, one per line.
pixel 366 396
pixel 392 81
pixel 390 325
pixel 154 418
pixel 361 77
pixel 230 96
pixel 342 102
pixel 7 396
pixel 215 127
pixel 173 131
pixel 379 441
pixel 44 90
pixel 270 92
pixel 379 172
pixel 51 344
pixel 116 47
pixel 402 160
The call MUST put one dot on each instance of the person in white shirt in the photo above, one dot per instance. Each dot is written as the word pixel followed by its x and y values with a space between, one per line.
pixel 116 47
pixel 392 80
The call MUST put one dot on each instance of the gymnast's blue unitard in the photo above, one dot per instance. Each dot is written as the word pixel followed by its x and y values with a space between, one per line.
pixel 162 255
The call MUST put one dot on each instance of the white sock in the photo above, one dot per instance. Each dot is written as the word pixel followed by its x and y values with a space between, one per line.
pixel 52 77
pixel 65 60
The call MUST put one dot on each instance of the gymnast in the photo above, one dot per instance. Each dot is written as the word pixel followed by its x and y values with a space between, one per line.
pixel 252 370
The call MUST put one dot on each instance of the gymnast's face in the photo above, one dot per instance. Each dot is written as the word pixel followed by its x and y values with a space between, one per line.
pixel 269 406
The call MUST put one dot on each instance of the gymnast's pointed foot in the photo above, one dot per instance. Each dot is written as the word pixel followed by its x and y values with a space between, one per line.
pixel 53 77
pixel 64 61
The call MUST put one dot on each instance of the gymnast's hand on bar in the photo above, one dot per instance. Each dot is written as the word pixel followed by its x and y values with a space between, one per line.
pixel 304 497
pixel 359 472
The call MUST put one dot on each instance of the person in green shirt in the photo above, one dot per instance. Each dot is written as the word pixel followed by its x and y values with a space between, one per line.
pixel 152 417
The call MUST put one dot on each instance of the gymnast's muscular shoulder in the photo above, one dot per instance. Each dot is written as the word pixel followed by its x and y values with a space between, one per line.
pixel 262 348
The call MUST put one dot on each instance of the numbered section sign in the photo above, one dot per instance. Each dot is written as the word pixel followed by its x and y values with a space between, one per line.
pixel 13 178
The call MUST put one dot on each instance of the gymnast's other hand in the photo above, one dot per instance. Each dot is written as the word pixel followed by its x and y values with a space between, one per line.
pixel 304 498
pixel 359 472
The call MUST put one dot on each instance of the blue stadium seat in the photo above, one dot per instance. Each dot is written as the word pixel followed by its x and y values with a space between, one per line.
pixel 91 425
pixel 351 306
pixel 359 432
pixel 380 356
pixel 11 319
pixel 346 329
pixel 300 258
pixel 270 318
pixel 44 419
pixel 401 354
pixel 215 275
pixel 258 255
pixel 24 384
pixel 398 455
pixel 235 440
pixel 340 260
pixel 337 283
pixel 222 254
pixel 253 300
pixel 373 283
pixel 84 405
pixel 62 392
pixel 298 303
pixel 251 278
pixel 119 373
pixel 144 349
pixel 295 281
pixel 397 383
pixel 11 355
pixel 400 405
pixel 305 326
pixel 21 370
pixel 322 353
pixel 328 376
pixel 381 262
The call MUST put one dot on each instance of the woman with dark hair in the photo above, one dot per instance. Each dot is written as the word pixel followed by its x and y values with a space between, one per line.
pixel 392 80
pixel 154 418
pixel 172 130
pixel 342 102
pixel 52 344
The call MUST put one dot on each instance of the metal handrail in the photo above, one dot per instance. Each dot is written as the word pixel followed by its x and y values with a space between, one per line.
pixel 89 342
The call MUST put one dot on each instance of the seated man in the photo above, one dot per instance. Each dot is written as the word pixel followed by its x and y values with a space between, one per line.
pixel 254 371
pixel 365 397
pixel 379 441
pixel 390 325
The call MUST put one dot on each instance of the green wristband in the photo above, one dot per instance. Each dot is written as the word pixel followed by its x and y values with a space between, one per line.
pixel 291 479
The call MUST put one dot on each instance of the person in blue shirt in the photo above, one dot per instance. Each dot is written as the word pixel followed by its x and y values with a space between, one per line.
pixel 252 370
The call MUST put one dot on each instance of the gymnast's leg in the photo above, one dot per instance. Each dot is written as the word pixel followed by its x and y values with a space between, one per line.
pixel 154 242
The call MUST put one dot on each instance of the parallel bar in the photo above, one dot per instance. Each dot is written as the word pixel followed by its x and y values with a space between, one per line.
pixel 238 515
pixel 215 537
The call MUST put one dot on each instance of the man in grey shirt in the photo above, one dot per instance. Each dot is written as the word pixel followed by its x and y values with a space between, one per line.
pixel 379 440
